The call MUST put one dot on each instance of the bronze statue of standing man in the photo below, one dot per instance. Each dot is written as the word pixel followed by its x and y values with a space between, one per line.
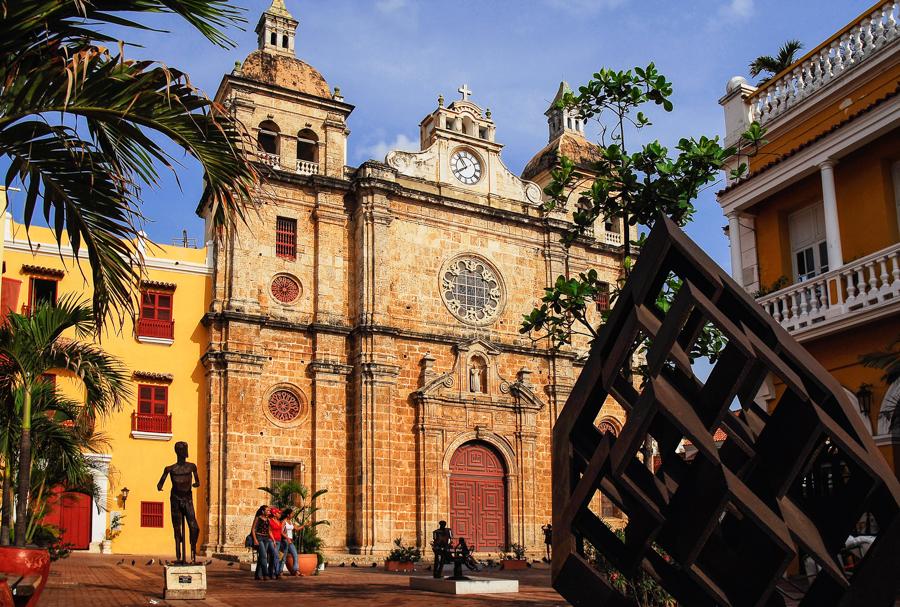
pixel 181 501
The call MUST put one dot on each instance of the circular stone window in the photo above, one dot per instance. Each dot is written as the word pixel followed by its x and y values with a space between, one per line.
pixel 285 289
pixel 472 290
pixel 284 406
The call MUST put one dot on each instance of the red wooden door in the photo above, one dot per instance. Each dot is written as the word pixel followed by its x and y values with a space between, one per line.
pixel 71 512
pixel 478 497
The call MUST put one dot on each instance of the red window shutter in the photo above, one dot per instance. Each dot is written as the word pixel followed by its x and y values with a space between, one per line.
pixel 156 315
pixel 286 238
pixel 151 514
pixel 601 298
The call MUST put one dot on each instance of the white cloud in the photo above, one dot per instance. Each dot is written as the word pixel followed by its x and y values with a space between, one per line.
pixel 391 6
pixel 737 9
pixel 583 7
pixel 380 149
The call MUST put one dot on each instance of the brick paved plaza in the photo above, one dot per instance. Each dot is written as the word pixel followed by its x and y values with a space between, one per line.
pixel 98 581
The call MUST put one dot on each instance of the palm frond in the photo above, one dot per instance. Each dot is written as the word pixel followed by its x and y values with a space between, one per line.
pixel 888 360
pixel 774 65
pixel 75 124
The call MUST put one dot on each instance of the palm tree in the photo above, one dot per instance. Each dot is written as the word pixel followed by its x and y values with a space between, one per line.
pixel 288 495
pixel 61 435
pixel 32 345
pixel 78 121
pixel 775 65
pixel 887 360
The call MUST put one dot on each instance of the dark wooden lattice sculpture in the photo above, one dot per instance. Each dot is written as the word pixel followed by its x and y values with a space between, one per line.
pixel 731 520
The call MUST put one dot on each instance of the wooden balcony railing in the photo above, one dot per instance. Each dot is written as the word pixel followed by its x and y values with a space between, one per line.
pixel 151 422
pixel 848 48
pixel 161 329
pixel 862 284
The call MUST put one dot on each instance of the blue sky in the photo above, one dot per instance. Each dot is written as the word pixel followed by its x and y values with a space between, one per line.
pixel 392 58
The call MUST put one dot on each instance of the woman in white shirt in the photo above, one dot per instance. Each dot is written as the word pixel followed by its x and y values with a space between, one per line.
pixel 287 539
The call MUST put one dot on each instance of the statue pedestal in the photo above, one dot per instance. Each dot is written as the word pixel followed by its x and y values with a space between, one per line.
pixel 184 582
pixel 473 585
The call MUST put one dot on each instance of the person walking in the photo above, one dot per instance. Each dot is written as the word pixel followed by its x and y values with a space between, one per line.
pixel 262 541
pixel 275 562
pixel 287 539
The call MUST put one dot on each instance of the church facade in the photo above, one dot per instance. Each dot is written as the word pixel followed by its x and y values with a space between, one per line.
pixel 364 322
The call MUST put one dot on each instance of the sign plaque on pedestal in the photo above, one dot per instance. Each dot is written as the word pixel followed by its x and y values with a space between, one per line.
pixel 184 582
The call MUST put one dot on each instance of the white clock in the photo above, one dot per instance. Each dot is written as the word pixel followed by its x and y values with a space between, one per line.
pixel 466 167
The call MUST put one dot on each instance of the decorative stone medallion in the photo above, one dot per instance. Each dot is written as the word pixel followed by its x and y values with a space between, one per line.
pixel 472 290
pixel 285 289
pixel 284 406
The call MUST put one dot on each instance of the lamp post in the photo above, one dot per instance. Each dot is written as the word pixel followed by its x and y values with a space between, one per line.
pixel 124 496
pixel 864 397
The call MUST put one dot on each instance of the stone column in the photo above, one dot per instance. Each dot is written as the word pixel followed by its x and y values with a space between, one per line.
pixel 375 372
pixel 99 463
pixel 734 243
pixel 832 223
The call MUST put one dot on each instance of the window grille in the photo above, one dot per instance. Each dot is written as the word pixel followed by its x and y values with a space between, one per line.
pixel 286 238
pixel 151 514
pixel 282 473
pixel 601 297
pixel 153 400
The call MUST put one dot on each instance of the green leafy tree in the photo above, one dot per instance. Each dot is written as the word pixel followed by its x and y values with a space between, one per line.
pixel 79 125
pixel 777 64
pixel 635 187
pixel 30 347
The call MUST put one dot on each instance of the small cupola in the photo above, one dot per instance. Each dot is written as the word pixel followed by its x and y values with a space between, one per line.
pixel 462 119
pixel 276 30
pixel 563 120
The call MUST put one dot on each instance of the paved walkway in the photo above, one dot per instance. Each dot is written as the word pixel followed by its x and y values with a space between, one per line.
pixel 92 580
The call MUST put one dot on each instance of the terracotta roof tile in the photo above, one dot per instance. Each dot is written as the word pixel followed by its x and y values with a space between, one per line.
pixel 583 152
pixel 286 72
pixel 807 144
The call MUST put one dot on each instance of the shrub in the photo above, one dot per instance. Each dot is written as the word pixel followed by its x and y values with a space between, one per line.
pixel 404 554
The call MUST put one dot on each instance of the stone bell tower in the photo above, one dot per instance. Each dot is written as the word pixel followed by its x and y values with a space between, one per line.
pixel 276 29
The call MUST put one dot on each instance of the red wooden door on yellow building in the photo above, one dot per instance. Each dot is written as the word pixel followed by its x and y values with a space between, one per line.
pixel 478 497
pixel 71 512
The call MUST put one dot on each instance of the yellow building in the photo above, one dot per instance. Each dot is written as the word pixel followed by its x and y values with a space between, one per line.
pixel 162 352
pixel 814 227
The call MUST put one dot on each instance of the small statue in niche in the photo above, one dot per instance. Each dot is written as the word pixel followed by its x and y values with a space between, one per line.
pixel 478 376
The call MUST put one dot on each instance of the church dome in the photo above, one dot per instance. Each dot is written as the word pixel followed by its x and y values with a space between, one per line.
pixel 285 71
pixel 571 145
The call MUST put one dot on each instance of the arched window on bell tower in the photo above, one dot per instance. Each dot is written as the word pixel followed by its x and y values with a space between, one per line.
pixel 268 137
pixel 307 146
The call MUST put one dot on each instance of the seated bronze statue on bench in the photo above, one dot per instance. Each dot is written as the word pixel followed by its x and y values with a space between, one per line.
pixel 445 552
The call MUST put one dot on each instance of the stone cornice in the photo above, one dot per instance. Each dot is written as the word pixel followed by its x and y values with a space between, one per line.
pixel 368 329
pixel 323 367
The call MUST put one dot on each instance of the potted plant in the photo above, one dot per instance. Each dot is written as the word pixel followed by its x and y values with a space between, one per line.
pixel 402 558
pixel 306 535
pixel 41 434
pixel 516 560
pixel 112 532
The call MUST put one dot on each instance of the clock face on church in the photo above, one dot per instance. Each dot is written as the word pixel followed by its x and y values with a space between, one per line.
pixel 466 167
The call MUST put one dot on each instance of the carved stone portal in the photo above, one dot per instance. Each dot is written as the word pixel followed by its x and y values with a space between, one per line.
pixel 730 521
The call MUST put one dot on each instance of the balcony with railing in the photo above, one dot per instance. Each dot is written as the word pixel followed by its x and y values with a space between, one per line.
pixel 613 238
pixel 866 286
pixel 272 160
pixel 155 329
pixel 143 424
pixel 307 167
pixel 847 50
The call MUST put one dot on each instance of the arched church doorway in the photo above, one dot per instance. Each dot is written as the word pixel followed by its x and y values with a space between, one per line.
pixel 478 497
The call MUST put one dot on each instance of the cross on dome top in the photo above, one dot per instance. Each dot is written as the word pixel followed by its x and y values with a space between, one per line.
pixel 465 92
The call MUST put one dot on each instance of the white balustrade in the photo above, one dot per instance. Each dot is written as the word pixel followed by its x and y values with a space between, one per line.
pixel 273 160
pixel 612 238
pixel 860 285
pixel 305 167
pixel 832 59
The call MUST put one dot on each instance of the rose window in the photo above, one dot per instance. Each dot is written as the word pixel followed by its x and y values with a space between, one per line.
pixel 285 289
pixel 471 290
pixel 284 406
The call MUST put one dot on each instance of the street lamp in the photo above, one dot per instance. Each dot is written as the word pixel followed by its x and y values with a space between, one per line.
pixel 124 495
pixel 864 397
